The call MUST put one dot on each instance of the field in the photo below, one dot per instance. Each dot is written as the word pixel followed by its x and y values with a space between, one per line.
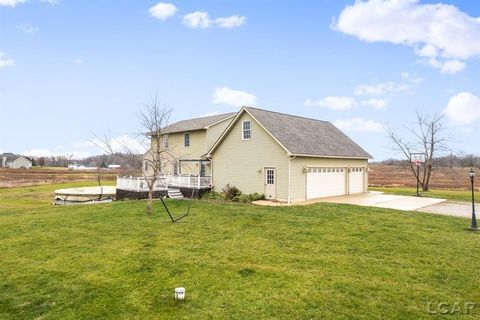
pixel 321 261
pixel 38 176
pixel 396 176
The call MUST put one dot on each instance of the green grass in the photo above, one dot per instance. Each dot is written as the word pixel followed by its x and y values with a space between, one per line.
pixel 454 195
pixel 322 261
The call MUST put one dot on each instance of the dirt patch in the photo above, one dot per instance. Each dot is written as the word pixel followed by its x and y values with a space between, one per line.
pixel 396 176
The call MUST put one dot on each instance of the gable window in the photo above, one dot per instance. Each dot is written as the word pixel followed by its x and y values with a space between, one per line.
pixel 246 130
pixel 165 141
pixel 186 139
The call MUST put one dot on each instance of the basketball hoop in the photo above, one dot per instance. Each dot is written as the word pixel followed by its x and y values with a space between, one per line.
pixel 417 158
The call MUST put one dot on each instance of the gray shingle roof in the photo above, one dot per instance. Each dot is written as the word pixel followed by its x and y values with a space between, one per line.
pixel 308 136
pixel 195 124
pixel 11 156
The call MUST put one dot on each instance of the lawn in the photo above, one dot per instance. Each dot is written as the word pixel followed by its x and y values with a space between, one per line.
pixel 454 195
pixel 323 261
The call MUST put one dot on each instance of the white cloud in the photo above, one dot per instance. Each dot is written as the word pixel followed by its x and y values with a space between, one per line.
pixel 230 22
pixel 334 103
pixel 52 2
pixel 10 3
pixel 163 10
pixel 235 98
pixel 120 144
pixel 200 19
pixel 463 108
pixel 358 125
pixel 27 28
pixel 4 61
pixel 375 103
pixel 438 31
pixel 378 89
pixel 197 19
pixel 78 61
pixel 452 66
pixel 412 78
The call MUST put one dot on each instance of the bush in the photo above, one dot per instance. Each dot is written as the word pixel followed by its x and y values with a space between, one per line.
pixel 230 192
pixel 257 196
pixel 245 198
pixel 212 195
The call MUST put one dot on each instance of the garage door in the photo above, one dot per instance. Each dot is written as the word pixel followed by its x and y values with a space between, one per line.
pixel 356 180
pixel 325 182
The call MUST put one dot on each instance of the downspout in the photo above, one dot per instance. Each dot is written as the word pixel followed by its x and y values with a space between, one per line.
pixel 289 178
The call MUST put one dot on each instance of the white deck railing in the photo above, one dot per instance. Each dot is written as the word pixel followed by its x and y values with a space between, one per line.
pixel 163 182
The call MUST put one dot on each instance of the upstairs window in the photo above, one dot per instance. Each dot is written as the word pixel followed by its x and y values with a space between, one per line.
pixel 246 130
pixel 186 139
pixel 165 141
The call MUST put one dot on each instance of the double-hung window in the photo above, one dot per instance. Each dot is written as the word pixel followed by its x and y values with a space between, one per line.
pixel 186 139
pixel 165 141
pixel 246 130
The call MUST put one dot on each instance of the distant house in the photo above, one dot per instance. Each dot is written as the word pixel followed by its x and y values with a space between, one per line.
pixel 15 161
pixel 114 166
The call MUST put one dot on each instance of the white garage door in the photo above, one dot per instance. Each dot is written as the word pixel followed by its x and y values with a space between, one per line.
pixel 325 182
pixel 356 180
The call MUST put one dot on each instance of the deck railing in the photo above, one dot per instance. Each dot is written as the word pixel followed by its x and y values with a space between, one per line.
pixel 163 182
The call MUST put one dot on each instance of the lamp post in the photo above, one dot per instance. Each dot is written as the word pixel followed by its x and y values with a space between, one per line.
pixel 474 218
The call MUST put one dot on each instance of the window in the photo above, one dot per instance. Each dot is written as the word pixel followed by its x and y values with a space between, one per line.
pixel 145 165
pixel 203 169
pixel 186 139
pixel 165 141
pixel 270 176
pixel 246 130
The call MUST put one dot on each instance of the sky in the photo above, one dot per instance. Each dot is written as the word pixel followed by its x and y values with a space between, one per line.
pixel 71 69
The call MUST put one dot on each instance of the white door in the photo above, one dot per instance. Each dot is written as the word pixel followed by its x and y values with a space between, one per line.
pixel 356 180
pixel 326 182
pixel 270 181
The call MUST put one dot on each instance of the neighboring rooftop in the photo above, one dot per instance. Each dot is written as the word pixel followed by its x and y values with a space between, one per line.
pixel 197 123
pixel 11 156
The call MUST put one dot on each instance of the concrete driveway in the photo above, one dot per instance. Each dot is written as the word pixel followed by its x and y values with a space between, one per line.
pixel 380 200
pixel 430 205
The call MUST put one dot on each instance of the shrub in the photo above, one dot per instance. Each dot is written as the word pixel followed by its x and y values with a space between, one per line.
pixel 245 198
pixel 212 195
pixel 257 196
pixel 230 192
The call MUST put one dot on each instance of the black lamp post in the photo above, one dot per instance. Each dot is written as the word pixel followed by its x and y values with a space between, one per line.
pixel 474 218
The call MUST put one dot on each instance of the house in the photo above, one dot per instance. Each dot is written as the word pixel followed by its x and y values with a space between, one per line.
pixel 286 157
pixel 15 161
pixel 187 142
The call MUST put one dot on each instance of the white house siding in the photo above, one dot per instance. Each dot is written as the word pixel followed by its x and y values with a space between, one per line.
pixel 299 176
pixel 242 162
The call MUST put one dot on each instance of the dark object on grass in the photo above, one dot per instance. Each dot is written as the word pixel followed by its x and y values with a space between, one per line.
pixel 182 216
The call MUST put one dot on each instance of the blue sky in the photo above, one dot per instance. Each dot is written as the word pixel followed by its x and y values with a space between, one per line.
pixel 71 69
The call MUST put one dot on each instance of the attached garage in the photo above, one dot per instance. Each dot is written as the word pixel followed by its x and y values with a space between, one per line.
pixel 287 158
pixel 326 182
pixel 356 180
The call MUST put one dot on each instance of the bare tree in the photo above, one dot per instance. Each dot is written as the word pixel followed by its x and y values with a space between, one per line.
pixel 427 136
pixel 153 118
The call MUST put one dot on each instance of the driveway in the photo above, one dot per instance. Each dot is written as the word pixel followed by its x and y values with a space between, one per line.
pixel 381 200
pixel 430 205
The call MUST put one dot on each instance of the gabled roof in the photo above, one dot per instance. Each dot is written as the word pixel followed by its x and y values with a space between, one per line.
pixel 12 157
pixel 197 123
pixel 302 136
